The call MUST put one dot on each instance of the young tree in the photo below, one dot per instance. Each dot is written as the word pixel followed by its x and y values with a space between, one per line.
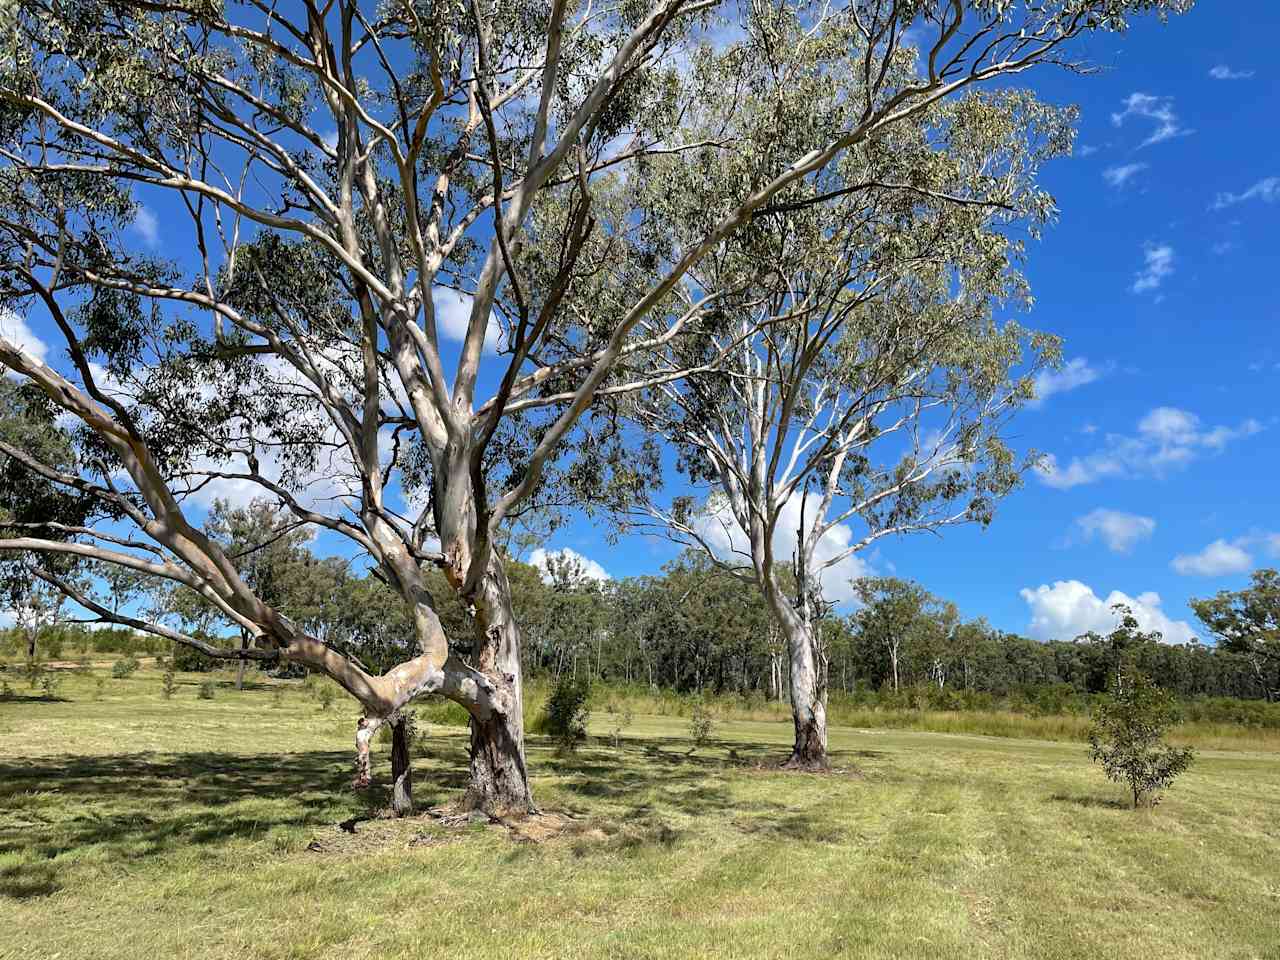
pixel 1248 622
pixel 1127 737
pixel 333 178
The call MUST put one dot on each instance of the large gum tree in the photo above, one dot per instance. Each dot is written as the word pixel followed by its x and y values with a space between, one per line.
pixel 329 178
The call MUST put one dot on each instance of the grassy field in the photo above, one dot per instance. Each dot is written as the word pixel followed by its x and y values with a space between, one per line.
pixel 133 826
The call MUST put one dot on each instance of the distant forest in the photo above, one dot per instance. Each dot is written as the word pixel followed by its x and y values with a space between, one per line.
pixel 695 628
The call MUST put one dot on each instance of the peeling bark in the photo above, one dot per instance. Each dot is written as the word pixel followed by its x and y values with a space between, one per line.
pixel 499 783
pixel 808 695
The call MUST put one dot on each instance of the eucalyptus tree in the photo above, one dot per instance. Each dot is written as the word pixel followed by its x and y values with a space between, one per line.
pixel 861 378
pixel 331 177
pixel 1247 622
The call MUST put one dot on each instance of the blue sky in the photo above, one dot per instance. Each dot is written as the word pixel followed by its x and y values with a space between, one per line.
pixel 1161 276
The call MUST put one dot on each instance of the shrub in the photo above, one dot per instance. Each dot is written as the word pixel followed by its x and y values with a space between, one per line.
pixel 99 684
pixel 169 684
pixel 124 667
pixel 1127 737
pixel 49 684
pixel 564 716
pixel 206 690
pixel 701 723
pixel 277 697
pixel 620 723
pixel 325 695
pixel 83 667
pixel 187 659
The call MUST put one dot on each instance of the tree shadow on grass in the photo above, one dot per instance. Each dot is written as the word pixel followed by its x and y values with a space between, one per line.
pixel 1084 800
pixel 647 784
pixel 128 806
pixel 122 807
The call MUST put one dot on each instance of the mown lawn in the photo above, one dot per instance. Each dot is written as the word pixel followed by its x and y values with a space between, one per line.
pixel 135 827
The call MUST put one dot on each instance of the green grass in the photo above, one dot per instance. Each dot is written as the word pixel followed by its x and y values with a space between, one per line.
pixel 134 826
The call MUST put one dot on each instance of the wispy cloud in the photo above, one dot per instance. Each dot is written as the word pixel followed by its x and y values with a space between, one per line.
pixel 1167 438
pixel 147 226
pixel 16 330
pixel 1117 529
pixel 1075 373
pixel 1118 177
pixel 1087 150
pixel 1267 190
pixel 1224 72
pixel 1217 559
pixel 1157 265
pixel 1224 557
pixel 1158 109
pixel 453 315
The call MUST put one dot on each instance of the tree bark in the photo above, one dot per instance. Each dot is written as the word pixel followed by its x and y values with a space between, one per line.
pixel 499 784
pixel 401 772
pixel 808 698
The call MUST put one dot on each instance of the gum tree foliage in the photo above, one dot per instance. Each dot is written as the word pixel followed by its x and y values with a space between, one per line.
pixel 326 174
pixel 1247 622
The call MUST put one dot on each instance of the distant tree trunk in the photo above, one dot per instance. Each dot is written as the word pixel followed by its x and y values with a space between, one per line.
pixel 893 659
pixel 244 645
pixel 401 772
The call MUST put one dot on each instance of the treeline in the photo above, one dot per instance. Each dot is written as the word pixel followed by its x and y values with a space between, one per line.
pixel 66 640
pixel 696 629
pixel 691 629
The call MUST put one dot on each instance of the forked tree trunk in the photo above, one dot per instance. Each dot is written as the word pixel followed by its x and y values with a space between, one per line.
pixel 499 784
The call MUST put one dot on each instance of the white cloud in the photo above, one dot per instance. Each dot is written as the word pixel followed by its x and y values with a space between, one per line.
pixel 1267 190
pixel 1224 72
pixel 1069 608
pixel 1158 266
pixel 1076 373
pixel 1215 560
pixel 1119 176
pixel 147 226
pixel 583 568
pixel 1087 150
pixel 453 316
pixel 1167 437
pixel 1118 530
pixel 7 619
pixel 16 330
pixel 719 529
pixel 1158 109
